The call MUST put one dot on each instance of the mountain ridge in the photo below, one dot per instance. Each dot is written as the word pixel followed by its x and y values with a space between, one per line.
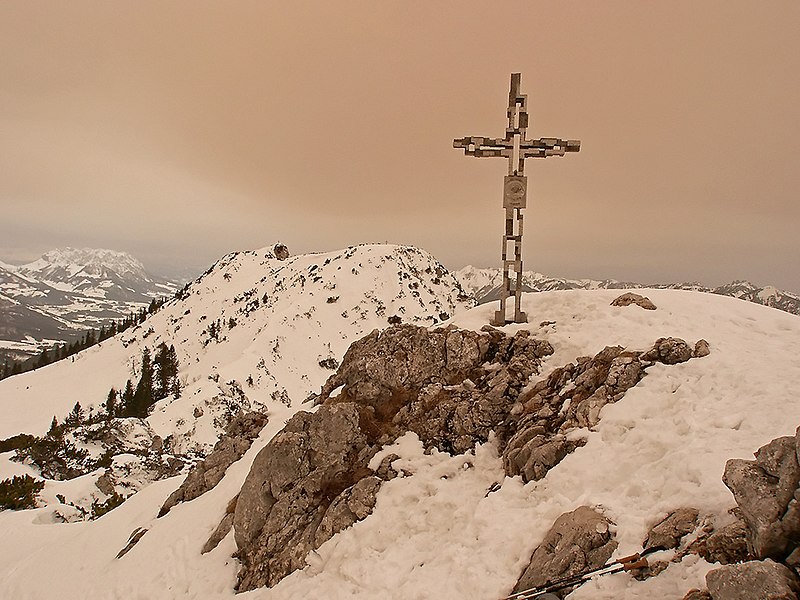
pixel 485 285
pixel 67 291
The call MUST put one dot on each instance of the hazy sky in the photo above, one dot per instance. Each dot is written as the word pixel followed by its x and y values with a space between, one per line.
pixel 180 131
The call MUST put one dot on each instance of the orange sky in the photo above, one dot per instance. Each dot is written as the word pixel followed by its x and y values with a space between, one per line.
pixel 181 130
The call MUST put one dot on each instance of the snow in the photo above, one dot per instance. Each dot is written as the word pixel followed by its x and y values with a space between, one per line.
pixel 437 532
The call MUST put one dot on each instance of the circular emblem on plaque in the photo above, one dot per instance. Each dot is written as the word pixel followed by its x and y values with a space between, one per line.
pixel 516 190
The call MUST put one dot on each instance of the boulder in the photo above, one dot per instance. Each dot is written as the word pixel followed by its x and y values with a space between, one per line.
pixel 754 580
pixel 727 544
pixel 578 541
pixel 280 251
pixel 669 351
pixel 668 532
pixel 766 490
pixel 701 349
pixel 629 298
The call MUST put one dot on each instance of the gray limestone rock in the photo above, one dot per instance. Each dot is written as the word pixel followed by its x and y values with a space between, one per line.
pixel 578 541
pixel 765 490
pixel 669 351
pixel 728 544
pixel 629 298
pixel 352 505
pixel 668 532
pixel 754 580
pixel 313 465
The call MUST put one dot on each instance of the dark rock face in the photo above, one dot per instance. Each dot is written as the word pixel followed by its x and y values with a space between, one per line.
pixel 281 251
pixel 232 445
pixel 754 580
pixel 767 491
pixel 578 541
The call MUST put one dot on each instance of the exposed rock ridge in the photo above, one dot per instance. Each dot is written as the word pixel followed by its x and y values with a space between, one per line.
pixel 312 479
pixel 453 388
pixel 572 397
pixel 767 491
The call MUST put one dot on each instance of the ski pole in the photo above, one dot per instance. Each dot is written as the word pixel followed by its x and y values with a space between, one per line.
pixel 626 563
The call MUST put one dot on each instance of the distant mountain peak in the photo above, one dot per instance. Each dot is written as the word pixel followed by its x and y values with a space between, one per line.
pixel 485 286
pixel 90 261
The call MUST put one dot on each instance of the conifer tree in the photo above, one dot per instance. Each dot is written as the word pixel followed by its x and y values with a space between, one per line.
pixel 129 410
pixel 111 403
pixel 143 396
pixel 76 416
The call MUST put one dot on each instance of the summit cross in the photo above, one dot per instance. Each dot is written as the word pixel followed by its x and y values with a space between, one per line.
pixel 516 149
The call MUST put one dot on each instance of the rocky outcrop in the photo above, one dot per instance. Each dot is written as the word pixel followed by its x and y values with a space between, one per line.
pixel 206 474
pixel 451 387
pixel 578 541
pixel 629 298
pixel 453 418
pixel 766 526
pixel 753 580
pixel 767 491
pixel 308 470
pixel 571 396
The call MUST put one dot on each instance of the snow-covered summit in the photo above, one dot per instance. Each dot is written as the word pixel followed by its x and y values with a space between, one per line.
pixel 435 532
pixel 271 326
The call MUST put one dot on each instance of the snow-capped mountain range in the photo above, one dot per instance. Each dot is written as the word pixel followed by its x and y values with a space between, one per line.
pixel 258 332
pixel 67 291
pixel 485 286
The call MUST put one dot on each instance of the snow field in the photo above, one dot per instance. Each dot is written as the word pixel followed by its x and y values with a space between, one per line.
pixel 436 533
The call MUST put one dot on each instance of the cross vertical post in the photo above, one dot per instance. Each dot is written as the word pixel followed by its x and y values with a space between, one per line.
pixel 516 148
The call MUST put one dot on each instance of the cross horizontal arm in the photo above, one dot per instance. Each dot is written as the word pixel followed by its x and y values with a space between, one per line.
pixel 488 147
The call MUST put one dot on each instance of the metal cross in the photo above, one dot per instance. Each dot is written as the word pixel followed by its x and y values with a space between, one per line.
pixel 515 185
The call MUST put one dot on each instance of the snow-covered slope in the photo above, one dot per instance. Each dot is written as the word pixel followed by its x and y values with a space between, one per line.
pixel 485 286
pixel 264 324
pixel 437 533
